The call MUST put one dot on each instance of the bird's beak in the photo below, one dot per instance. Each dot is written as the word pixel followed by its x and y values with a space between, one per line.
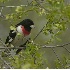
pixel 32 26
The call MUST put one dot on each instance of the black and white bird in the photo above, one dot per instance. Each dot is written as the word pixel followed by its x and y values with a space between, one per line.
pixel 21 33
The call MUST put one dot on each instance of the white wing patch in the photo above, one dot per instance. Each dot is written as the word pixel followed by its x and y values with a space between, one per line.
pixel 13 31
pixel 10 40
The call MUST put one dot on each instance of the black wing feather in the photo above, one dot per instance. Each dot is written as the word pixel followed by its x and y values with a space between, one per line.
pixel 12 35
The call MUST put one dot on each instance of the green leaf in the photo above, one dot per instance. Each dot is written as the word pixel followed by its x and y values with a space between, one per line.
pixel 19 9
pixel 26 66
pixel 12 28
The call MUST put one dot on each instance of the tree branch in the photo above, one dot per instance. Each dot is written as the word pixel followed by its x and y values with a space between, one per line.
pixel 41 6
pixel 57 57
pixel 42 46
pixel 6 62
pixel 29 4
pixel 1 15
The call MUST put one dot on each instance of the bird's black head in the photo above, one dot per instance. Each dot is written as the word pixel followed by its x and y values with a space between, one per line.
pixel 27 23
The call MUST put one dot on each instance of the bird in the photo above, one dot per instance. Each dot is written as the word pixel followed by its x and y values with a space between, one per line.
pixel 20 33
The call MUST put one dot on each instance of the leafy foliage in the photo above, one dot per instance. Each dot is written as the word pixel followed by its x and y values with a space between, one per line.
pixel 30 58
pixel 64 63
pixel 4 1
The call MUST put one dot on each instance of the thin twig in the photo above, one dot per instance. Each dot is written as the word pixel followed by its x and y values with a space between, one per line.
pixel 57 57
pixel 38 33
pixel 1 12
pixel 11 47
pixel 45 46
pixel 18 6
pixel 42 6
pixel 5 47
pixel 2 43
pixel 63 44
pixel 42 46
pixel 5 62
pixel 29 4
pixel 64 47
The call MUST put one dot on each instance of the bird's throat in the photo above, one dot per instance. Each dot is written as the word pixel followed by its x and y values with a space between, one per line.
pixel 25 32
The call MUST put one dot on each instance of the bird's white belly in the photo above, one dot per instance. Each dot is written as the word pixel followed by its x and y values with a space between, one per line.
pixel 19 40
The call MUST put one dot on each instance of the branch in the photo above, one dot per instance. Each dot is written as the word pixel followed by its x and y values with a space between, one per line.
pixel 38 33
pixel 42 46
pixel 63 45
pixel 29 4
pixel 57 57
pixel 17 6
pixel 11 48
pixel 1 15
pixel 5 47
pixel 57 46
pixel 5 62
pixel 45 46
pixel 41 6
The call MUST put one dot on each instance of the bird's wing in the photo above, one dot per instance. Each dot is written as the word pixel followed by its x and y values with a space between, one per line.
pixel 11 37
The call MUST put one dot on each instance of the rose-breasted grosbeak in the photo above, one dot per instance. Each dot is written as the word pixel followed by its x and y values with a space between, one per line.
pixel 20 33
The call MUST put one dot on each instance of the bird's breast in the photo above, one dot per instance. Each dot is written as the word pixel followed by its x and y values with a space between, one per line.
pixel 19 40
pixel 22 30
pixel 25 32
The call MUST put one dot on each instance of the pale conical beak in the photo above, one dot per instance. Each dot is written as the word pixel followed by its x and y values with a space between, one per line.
pixel 32 26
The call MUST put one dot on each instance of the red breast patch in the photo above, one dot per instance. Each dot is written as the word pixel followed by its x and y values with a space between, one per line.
pixel 25 32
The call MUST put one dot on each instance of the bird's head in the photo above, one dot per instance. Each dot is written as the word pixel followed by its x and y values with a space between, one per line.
pixel 25 26
pixel 28 24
